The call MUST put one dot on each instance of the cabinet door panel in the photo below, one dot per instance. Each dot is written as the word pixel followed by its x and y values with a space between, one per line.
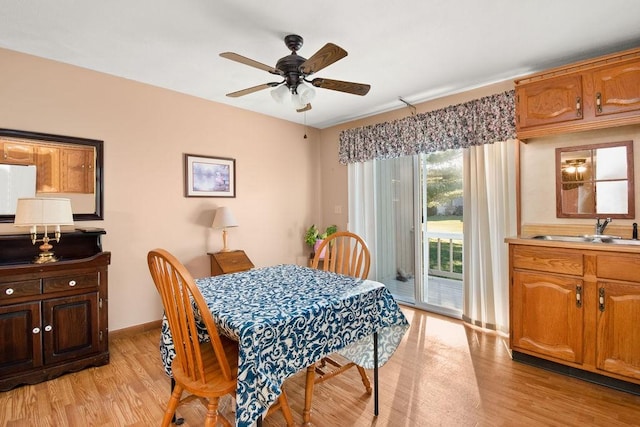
pixel 20 348
pixel 74 327
pixel 618 334
pixel 617 89
pixel 14 153
pixel 48 169
pixel 77 170
pixel 550 101
pixel 546 315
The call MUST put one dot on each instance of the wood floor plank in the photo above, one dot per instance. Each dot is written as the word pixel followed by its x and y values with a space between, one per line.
pixel 444 373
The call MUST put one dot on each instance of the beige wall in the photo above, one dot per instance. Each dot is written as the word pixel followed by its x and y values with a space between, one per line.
pixel 145 131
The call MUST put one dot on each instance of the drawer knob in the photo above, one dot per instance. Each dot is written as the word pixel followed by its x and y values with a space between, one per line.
pixel 35 330
pixel 48 328
pixel 72 282
pixel 9 291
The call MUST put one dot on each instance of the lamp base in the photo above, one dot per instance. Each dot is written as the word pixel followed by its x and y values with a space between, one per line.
pixel 45 257
pixel 225 248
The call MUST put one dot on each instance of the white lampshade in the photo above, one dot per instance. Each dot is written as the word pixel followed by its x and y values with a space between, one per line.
pixel 279 93
pixel 43 211
pixel 224 218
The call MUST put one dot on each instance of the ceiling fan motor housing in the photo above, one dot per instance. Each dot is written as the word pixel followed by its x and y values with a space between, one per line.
pixel 290 67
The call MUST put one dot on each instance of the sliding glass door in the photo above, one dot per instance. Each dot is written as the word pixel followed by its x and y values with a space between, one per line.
pixel 419 229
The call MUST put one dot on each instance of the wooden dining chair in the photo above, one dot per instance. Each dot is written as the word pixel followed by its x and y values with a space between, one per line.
pixel 204 369
pixel 345 253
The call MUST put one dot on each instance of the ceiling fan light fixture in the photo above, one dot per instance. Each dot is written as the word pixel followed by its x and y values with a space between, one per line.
pixel 279 93
pixel 297 101
pixel 306 92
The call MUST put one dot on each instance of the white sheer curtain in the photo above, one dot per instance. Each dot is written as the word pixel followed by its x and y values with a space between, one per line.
pixel 489 216
pixel 362 206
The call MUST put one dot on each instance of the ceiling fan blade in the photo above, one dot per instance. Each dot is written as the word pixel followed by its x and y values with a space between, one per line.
pixel 326 56
pixel 305 108
pixel 244 60
pixel 252 89
pixel 348 87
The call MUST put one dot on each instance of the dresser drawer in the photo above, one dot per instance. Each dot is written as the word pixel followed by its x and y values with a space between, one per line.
pixel 9 290
pixel 64 283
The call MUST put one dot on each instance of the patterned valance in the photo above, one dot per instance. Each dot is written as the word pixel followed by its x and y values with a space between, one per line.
pixel 481 121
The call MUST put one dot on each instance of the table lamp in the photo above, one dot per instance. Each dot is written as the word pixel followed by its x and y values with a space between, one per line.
pixel 224 219
pixel 43 212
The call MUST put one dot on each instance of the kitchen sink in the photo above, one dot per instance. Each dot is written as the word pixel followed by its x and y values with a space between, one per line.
pixel 623 242
pixel 560 238
pixel 589 238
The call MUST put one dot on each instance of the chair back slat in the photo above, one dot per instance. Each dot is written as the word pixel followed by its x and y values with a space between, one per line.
pixel 181 299
pixel 344 253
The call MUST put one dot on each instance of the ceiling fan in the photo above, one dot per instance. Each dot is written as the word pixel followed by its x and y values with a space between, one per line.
pixel 295 70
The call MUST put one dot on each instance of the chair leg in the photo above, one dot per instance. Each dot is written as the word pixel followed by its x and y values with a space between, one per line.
pixel 286 410
pixel 172 405
pixel 365 379
pixel 174 420
pixel 308 395
pixel 211 418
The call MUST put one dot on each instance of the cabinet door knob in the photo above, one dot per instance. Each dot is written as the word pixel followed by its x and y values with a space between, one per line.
pixel 35 330
pixel 48 328
pixel 9 291
pixel 72 282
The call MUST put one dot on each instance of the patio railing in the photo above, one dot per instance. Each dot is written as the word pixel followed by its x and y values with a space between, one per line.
pixel 447 260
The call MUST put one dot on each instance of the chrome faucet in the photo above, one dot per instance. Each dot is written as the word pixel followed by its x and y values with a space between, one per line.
pixel 600 226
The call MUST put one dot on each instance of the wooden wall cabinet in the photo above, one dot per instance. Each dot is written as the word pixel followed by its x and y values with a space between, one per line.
pixel 598 93
pixel 578 308
pixel 53 317
pixel 60 169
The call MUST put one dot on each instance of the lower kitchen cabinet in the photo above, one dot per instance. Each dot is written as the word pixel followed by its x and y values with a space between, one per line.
pixel 579 308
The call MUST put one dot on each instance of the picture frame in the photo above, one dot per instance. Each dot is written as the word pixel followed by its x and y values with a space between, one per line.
pixel 208 176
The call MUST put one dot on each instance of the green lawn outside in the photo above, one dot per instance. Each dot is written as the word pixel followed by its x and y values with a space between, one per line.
pixel 444 224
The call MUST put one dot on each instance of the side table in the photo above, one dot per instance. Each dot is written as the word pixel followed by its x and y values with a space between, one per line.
pixel 229 262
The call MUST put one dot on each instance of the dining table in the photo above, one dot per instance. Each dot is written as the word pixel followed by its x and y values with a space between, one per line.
pixel 286 318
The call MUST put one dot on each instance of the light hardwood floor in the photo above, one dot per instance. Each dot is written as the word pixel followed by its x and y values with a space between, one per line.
pixel 443 374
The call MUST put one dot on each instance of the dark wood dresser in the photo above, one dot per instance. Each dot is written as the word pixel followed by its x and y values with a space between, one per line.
pixel 53 316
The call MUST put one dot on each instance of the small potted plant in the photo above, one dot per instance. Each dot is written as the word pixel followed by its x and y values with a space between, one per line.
pixel 314 238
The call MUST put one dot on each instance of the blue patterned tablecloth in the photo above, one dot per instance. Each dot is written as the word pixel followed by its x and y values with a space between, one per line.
pixel 288 317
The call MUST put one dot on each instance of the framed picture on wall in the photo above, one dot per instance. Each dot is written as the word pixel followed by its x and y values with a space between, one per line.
pixel 206 176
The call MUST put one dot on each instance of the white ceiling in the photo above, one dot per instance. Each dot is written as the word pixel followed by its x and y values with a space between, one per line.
pixel 413 49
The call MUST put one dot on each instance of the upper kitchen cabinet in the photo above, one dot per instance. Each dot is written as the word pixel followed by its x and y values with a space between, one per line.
pixel 594 94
